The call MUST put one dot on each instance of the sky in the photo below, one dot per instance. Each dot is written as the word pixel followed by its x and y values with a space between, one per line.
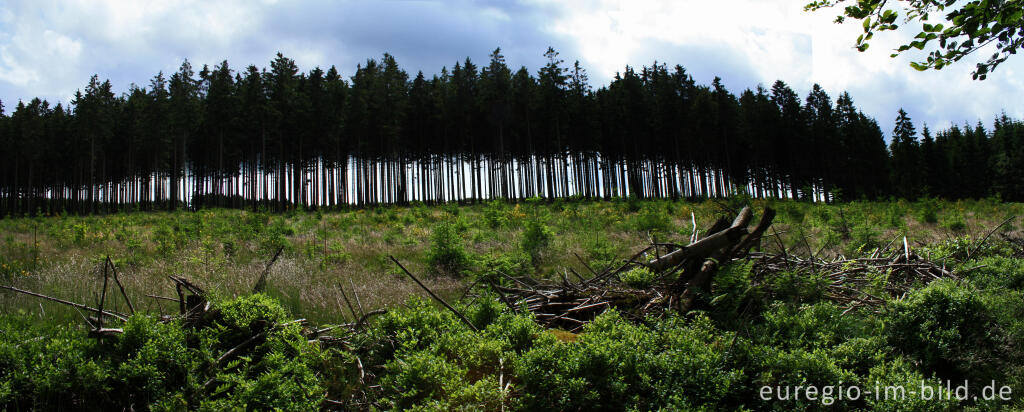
pixel 50 48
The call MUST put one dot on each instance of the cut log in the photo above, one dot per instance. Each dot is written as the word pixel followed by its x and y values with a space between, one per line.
pixel 705 247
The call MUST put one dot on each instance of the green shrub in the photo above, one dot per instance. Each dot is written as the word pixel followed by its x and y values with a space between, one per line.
pixel 336 253
pixel 928 210
pixel 536 236
pixel 949 330
pixel 651 218
pixel 489 268
pixel 420 379
pixel 446 252
pixel 894 215
pixel 954 221
pixel 997 272
pixel 251 313
pixel 274 237
pixel 517 332
pixel 164 366
pixel 633 204
pixel 50 370
pixel 792 212
pixel 496 214
pixel 733 289
pixel 821 325
pixel 638 277
pixel 886 378
pixel 782 371
pixel 599 252
pixel 858 354
pixel 796 287
pixel 617 365
pixel 863 238
pixel 158 364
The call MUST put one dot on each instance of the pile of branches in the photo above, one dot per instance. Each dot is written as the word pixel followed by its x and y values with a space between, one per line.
pixel 681 275
pixel 888 269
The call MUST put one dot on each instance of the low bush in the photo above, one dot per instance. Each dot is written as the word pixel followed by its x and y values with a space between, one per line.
pixel 954 221
pixel 164 366
pixel 536 236
pixel 949 330
pixel 996 272
pixel 620 366
pixel 651 218
pixel 446 251
pixel 928 210
pixel 638 277
pixel 496 214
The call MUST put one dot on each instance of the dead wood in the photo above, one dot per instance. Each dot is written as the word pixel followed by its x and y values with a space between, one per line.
pixel 131 307
pixel 431 293
pixel 572 304
pixel 117 315
pixel 261 283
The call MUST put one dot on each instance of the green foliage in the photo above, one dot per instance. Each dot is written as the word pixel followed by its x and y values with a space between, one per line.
pixel 274 237
pixel 17 259
pixel 965 29
pixel 619 365
pixel 633 204
pixel 56 369
pixel 863 237
pixel 948 329
pixel 792 212
pixel 796 287
pixel 821 325
pixel 446 251
pixel 164 366
pixel 954 221
pixel 734 290
pixel 536 236
pixel 789 369
pixel 599 251
pixel 336 254
pixel 894 214
pixel 490 267
pixel 928 210
pixel 638 277
pixel 496 214
pixel 997 272
pixel 251 313
pixel 421 377
pixel 651 218
pixel 956 249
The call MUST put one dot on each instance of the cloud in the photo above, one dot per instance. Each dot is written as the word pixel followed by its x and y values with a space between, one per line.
pixel 49 48
pixel 747 42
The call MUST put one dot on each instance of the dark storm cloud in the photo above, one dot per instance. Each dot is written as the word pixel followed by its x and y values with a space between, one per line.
pixel 422 35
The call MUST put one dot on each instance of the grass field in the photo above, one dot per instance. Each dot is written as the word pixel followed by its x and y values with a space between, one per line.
pixel 450 247
pixel 226 250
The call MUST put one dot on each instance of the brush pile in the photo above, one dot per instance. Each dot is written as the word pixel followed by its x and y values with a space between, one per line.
pixel 677 278
pixel 680 275
pixel 894 271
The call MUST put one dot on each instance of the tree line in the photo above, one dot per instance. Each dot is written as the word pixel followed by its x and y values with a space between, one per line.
pixel 280 138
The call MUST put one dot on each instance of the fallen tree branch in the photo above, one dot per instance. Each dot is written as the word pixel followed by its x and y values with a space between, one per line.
pixel 437 298
pixel 131 307
pixel 261 283
pixel 120 316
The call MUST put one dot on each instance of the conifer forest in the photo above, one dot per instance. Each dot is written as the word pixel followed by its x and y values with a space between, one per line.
pixel 284 139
